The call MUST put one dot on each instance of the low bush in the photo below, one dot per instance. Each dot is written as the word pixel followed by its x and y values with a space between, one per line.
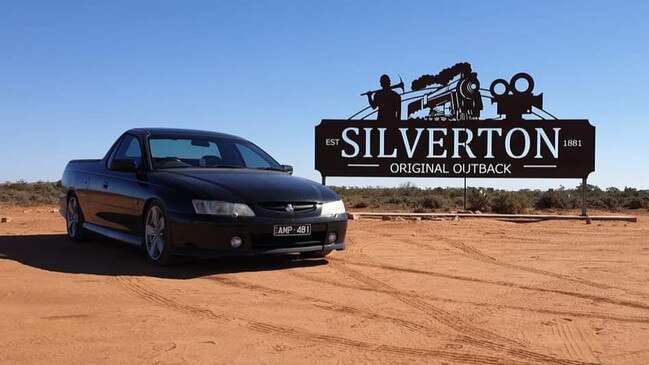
pixel 479 199
pixel 508 203
pixel 553 199
pixel 24 193
pixel 637 203
pixel 361 204
pixel 435 201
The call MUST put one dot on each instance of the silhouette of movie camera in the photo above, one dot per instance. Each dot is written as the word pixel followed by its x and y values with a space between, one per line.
pixel 512 100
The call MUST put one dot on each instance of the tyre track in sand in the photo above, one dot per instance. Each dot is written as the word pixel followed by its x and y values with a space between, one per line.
pixel 476 339
pixel 435 313
pixel 463 358
pixel 134 285
pixel 478 255
pixel 569 345
pixel 365 260
pixel 611 317
pixel 324 304
pixel 415 327
pixel 469 334
pixel 595 298
pixel 473 253
pixel 631 357
pixel 149 295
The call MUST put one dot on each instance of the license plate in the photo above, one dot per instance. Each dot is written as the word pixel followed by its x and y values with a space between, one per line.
pixel 292 230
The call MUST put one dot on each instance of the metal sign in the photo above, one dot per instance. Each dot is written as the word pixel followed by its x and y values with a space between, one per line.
pixel 472 148
pixel 444 137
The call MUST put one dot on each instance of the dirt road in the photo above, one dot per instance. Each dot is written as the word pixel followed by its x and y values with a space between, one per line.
pixel 425 292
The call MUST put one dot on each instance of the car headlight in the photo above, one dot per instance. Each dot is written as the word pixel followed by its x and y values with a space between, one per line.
pixel 333 208
pixel 215 207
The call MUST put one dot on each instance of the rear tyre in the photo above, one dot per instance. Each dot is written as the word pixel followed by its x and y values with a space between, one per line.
pixel 315 254
pixel 74 220
pixel 157 237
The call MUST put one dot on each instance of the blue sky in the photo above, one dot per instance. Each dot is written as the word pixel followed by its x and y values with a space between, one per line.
pixel 75 74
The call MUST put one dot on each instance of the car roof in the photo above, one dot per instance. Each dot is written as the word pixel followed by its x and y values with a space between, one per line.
pixel 180 132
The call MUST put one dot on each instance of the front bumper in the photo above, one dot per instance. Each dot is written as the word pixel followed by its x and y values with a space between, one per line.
pixel 203 253
pixel 207 236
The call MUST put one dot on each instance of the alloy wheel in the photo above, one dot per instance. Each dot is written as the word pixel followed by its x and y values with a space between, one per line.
pixel 72 217
pixel 154 236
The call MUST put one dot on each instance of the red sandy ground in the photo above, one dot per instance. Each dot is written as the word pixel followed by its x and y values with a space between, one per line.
pixel 473 291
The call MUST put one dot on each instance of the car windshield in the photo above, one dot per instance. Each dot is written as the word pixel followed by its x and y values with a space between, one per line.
pixel 208 152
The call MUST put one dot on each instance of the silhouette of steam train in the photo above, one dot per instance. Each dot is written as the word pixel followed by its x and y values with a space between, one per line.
pixel 455 94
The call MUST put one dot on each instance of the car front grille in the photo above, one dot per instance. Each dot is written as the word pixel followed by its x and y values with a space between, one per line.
pixel 289 207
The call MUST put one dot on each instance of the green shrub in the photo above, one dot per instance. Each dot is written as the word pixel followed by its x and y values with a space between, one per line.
pixel 361 204
pixel 435 202
pixel 508 203
pixel 457 202
pixel 604 203
pixel 553 199
pixel 637 203
pixel 479 200
pixel 24 193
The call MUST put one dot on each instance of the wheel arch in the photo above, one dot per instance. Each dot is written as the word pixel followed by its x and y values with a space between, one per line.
pixel 147 204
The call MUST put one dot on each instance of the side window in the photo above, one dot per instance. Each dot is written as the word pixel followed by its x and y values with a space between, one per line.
pixel 251 158
pixel 130 149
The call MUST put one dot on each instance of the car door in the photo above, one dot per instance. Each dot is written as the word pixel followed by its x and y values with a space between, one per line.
pixel 116 206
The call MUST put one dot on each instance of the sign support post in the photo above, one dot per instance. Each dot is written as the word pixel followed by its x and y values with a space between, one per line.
pixel 583 198
pixel 464 193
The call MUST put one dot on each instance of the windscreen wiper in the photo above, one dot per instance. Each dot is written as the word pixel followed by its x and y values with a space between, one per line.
pixel 226 166
pixel 270 168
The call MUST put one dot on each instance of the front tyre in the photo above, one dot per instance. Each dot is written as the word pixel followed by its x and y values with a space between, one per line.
pixel 157 240
pixel 74 220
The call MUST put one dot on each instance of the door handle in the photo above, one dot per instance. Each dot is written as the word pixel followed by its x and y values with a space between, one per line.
pixel 106 184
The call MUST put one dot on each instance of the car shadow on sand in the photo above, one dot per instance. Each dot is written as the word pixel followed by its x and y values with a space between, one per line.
pixel 54 252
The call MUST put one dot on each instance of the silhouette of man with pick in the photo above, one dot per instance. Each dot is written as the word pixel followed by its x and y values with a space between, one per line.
pixel 387 100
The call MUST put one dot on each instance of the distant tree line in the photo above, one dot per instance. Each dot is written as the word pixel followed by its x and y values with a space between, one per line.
pixel 409 197
pixel 24 193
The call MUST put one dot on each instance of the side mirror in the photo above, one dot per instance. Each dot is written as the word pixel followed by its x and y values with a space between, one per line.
pixel 124 165
pixel 288 169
